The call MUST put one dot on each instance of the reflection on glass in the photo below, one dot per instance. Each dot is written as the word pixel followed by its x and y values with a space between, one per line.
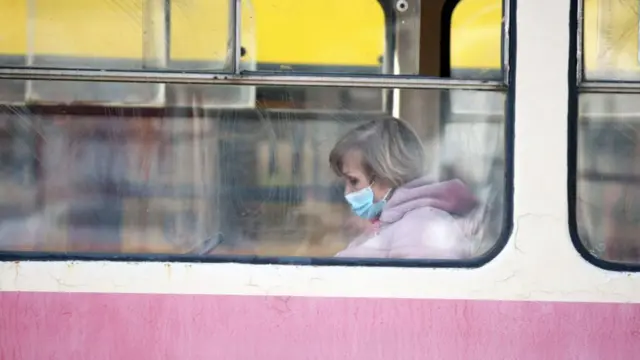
pixel 611 40
pixel 608 196
pixel 194 177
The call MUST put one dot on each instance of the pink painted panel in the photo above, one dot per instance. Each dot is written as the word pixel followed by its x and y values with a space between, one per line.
pixel 73 326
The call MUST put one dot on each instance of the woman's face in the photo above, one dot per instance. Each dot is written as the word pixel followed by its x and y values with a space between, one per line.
pixel 356 178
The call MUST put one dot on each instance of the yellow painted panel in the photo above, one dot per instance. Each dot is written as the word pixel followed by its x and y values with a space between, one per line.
pixel 284 31
pixel 200 29
pixel 111 28
pixel 13 27
pixel 91 28
pixel 476 34
pixel 611 36
pixel 323 32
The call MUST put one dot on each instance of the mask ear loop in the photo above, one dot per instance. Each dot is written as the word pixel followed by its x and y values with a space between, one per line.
pixel 388 194
pixel 373 181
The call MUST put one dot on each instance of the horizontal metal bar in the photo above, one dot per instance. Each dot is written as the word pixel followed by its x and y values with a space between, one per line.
pixel 241 120
pixel 248 78
pixel 600 177
pixel 618 87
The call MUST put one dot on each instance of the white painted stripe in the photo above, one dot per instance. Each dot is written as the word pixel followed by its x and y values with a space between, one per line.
pixel 519 275
pixel 539 263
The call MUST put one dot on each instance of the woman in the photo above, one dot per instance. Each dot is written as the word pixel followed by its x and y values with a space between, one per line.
pixel 382 163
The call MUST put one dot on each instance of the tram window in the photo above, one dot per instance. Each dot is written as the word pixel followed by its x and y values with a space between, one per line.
pixel 327 35
pixel 608 175
pixel 365 35
pixel 333 36
pixel 476 35
pixel 610 40
pixel 121 34
pixel 204 180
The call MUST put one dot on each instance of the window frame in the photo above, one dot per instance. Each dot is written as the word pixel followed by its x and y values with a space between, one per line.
pixel 260 78
pixel 578 84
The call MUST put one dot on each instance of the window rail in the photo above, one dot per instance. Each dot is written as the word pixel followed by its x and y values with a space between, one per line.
pixel 617 87
pixel 255 78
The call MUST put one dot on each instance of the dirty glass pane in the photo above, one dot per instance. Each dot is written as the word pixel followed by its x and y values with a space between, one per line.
pixel 196 177
pixel 610 40
pixel 117 34
pixel 476 40
pixel 331 35
pixel 124 35
pixel 377 36
pixel 608 201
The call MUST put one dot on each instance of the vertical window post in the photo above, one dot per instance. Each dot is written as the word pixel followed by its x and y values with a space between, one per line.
pixel 236 41
pixel 155 34
pixel 419 23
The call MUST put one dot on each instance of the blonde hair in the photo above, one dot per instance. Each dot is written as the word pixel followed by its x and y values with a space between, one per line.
pixel 391 151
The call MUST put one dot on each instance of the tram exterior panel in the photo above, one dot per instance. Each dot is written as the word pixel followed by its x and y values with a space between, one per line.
pixel 148 166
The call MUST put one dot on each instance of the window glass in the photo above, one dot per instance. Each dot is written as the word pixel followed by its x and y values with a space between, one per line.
pixel 476 40
pixel 121 34
pixel 333 36
pixel 610 41
pixel 188 177
pixel 326 36
pixel 385 38
pixel 608 196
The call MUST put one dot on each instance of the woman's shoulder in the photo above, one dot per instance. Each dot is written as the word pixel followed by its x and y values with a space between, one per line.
pixel 432 221
pixel 422 216
pixel 428 233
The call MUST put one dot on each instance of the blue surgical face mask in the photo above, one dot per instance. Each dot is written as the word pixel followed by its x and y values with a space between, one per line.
pixel 362 203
